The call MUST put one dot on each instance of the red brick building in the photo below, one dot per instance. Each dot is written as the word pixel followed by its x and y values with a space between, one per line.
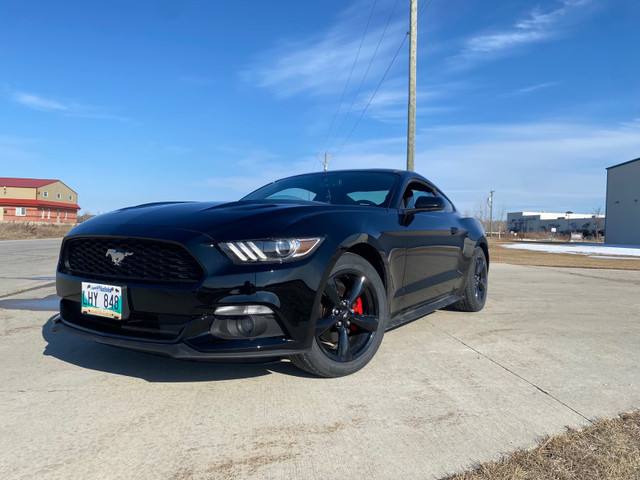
pixel 37 200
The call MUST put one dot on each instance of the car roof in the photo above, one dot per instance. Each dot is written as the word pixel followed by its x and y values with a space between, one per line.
pixel 404 174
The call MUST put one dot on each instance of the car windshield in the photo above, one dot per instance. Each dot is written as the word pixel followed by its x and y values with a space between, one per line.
pixel 337 188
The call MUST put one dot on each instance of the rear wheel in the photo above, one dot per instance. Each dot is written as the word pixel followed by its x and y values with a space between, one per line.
pixel 475 292
pixel 351 320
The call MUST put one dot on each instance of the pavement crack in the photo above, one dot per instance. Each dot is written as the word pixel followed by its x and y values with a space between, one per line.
pixel 46 285
pixel 589 274
pixel 556 399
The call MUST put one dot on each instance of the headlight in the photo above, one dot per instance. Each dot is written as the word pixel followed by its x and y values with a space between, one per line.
pixel 276 250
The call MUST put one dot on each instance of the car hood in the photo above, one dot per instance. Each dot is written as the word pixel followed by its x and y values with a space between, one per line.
pixel 219 221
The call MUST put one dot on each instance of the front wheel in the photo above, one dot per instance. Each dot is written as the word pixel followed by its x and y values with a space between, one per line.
pixel 351 320
pixel 475 291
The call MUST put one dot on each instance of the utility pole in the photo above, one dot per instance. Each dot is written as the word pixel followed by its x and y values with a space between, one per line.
pixel 413 49
pixel 326 165
pixel 490 200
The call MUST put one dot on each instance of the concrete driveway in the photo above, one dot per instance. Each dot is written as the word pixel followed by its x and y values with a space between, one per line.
pixel 553 347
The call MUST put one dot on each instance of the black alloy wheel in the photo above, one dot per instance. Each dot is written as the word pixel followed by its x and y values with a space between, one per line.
pixel 351 320
pixel 480 278
pixel 475 292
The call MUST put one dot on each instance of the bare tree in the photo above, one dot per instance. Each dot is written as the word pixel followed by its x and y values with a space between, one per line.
pixel 500 219
pixel 597 211
pixel 481 212
pixel 86 216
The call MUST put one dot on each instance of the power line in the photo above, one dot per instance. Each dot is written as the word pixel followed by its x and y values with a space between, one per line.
pixel 346 115
pixel 350 73
pixel 374 94
pixel 424 7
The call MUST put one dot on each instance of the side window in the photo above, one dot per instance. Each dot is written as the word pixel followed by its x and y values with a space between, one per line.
pixel 448 205
pixel 417 190
pixel 416 195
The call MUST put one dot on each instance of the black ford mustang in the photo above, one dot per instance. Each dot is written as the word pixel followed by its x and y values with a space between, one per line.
pixel 313 267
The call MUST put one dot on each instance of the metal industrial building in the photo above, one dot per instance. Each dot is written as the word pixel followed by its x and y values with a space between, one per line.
pixel 568 222
pixel 623 211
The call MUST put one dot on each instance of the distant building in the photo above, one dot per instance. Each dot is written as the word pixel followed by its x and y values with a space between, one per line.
pixel 37 200
pixel 568 222
pixel 623 196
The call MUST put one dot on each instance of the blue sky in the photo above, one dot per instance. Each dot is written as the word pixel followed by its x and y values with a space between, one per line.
pixel 130 102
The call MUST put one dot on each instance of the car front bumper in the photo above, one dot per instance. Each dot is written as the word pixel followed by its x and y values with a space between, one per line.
pixel 177 349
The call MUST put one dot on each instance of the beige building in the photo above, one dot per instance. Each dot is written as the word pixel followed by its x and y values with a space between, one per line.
pixel 623 199
pixel 37 200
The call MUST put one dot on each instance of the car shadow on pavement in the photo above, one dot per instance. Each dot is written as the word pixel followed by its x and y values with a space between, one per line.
pixel 153 368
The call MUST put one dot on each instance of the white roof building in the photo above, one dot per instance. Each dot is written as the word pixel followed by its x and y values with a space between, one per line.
pixel 567 222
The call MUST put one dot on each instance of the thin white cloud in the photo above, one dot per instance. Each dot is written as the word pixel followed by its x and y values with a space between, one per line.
pixel 502 41
pixel 320 65
pixel 537 26
pixel 530 89
pixel 390 103
pixel 68 109
pixel 37 102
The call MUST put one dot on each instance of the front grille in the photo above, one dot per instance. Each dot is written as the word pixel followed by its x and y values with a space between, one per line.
pixel 146 261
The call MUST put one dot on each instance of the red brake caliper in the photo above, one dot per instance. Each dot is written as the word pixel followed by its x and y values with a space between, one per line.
pixel 357 308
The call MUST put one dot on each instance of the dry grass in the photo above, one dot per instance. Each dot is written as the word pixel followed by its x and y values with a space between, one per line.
pixel 610 450
pixel 27 230
pixel 544 259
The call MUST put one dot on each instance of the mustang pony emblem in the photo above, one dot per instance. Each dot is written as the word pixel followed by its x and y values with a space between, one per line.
pixel 116 256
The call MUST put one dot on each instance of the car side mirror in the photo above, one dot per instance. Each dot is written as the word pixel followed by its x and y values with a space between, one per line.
pixel 428 204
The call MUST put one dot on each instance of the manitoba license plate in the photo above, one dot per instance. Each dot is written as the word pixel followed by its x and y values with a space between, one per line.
pixel 103 300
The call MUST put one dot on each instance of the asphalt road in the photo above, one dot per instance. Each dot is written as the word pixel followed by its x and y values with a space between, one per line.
pixel 553 347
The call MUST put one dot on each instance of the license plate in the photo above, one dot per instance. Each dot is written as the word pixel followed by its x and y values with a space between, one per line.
pixel 103 300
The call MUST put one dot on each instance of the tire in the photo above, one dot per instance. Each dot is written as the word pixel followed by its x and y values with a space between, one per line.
pixel 351 320
pixel 475 291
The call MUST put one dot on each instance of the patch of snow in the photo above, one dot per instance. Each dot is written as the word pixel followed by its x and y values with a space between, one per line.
pixel 595 249
pixel 614 258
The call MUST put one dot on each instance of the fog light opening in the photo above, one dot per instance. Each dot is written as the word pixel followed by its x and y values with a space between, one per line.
pixel 246 326
pixel 235 322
